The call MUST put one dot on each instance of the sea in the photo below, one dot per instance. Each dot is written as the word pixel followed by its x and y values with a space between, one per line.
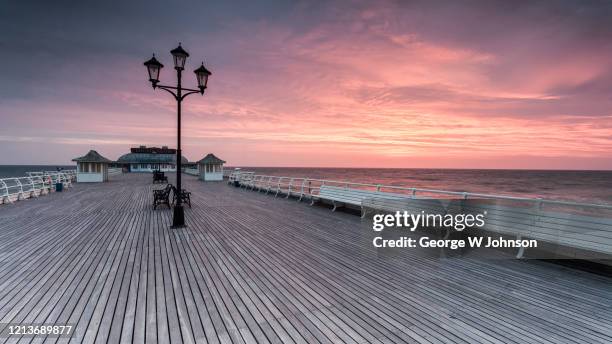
pixel 7 171
pixel 577 186
pixel 574 186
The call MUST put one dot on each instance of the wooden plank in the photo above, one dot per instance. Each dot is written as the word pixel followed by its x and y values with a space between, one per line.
pixel 254 268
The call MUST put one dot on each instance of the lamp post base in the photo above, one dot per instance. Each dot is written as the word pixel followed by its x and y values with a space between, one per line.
pixel 178 216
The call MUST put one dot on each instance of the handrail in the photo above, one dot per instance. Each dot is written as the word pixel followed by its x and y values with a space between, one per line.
pixel 36 183
pixel 308 187
pixel 191 171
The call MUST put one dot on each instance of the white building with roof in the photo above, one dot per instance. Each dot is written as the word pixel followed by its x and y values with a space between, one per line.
pixel 210 168
pixel 92 168
pixel 149 159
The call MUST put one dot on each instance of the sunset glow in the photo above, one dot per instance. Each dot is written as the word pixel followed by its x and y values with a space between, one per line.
pixel 378 84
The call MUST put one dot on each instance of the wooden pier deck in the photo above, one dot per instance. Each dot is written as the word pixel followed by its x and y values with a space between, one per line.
pixel 254 268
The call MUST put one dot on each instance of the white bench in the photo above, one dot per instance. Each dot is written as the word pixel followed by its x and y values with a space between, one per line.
pixel 412 205
pixel 343 196
pixel 579 231
pixel 578 227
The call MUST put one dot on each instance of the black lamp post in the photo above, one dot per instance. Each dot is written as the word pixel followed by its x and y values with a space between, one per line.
pixel 153 66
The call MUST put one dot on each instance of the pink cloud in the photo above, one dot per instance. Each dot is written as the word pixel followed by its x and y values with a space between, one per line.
pixel 372 88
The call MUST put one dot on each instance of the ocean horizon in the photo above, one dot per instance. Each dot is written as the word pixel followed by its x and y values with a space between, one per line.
pixel 569 185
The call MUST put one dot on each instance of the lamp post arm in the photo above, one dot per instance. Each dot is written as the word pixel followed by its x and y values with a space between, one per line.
pixel 188 93
pixel 169 90
pixel 176 88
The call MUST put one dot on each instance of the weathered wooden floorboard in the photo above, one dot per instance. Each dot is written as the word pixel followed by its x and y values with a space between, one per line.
pixel 254 268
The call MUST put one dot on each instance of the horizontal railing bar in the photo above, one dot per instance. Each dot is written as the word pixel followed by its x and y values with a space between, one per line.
pixel 284 182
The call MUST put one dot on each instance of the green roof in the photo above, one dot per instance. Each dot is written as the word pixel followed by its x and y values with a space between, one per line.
pixel 92 156
pixel 211 159
pixel 149 158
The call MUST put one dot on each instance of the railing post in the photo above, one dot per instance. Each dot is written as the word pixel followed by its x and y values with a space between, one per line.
pixel 20 194
pixel 537 209
pixel 42 185
pixel 278 186
pixel 32 190
pixel 302 190
pixel 289 189
pixel 5 195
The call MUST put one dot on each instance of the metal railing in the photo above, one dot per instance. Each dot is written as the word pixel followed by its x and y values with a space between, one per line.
pixel 309 188
pixel 35 184
pixel 583 227
pixel 191 171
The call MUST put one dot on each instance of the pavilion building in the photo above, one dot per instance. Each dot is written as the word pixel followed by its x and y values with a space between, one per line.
pixel 149 159
pixel 92 168
pixel 210 168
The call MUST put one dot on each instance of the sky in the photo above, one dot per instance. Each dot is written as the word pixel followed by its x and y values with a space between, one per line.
pixel 434 84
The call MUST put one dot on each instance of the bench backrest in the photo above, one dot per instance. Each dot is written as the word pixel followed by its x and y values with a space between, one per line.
pixel 355 196
pixel 579 227
pixel 585 229
pixel 406 203
pixel 165 191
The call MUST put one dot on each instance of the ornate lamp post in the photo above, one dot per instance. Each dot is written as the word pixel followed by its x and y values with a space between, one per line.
pixel 153 66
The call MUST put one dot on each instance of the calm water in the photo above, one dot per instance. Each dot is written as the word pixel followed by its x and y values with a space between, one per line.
pixel 20 170
pixel 580 186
